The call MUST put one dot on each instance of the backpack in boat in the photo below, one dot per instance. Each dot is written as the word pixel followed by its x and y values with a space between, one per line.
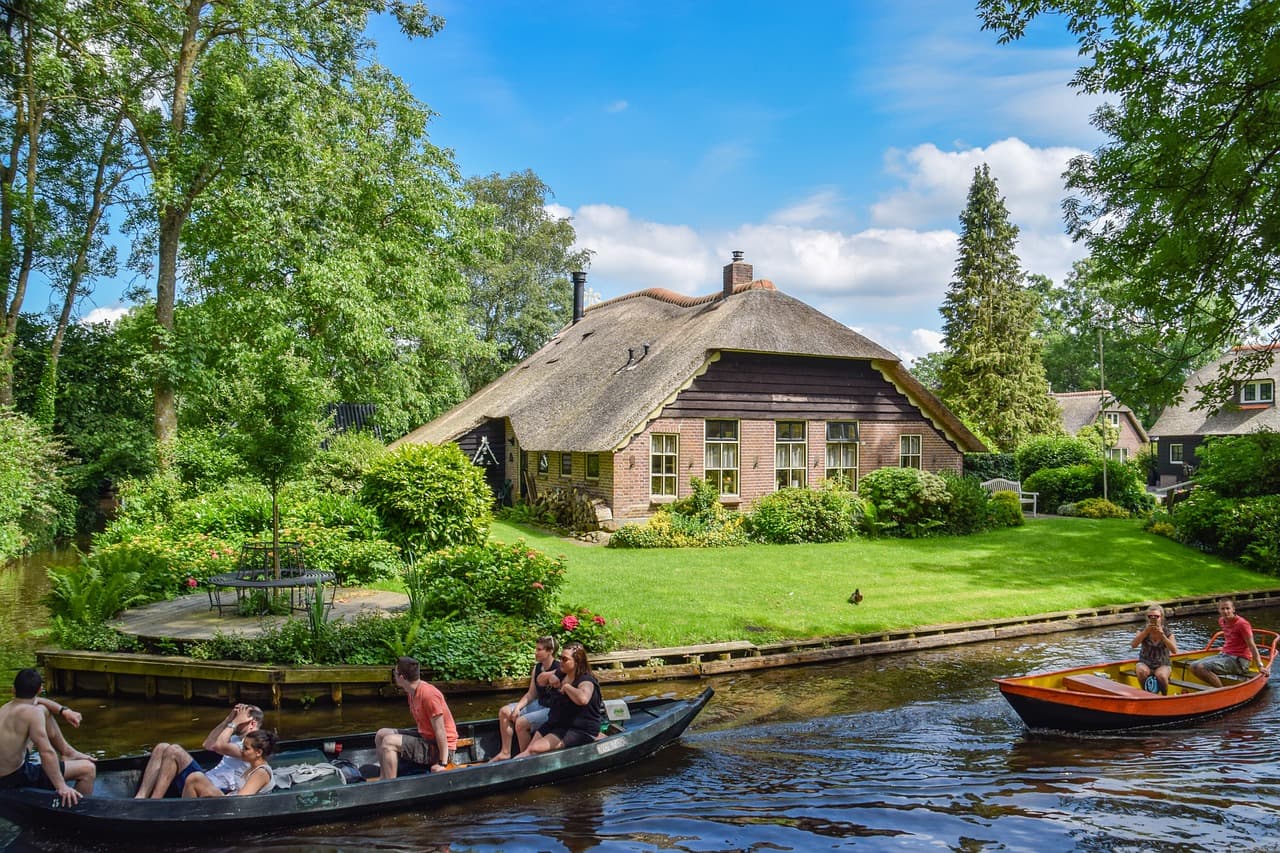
pixel 350 772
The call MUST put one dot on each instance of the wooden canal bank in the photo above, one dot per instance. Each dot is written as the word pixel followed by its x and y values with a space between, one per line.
pixel 172 678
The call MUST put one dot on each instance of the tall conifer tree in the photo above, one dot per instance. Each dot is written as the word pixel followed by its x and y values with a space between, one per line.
pixel 993 379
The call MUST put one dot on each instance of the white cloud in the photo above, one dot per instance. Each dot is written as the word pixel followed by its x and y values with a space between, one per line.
pixel 107 314
pixel 937 183
pixel 821 205
pixel 886 281
pixel 616 107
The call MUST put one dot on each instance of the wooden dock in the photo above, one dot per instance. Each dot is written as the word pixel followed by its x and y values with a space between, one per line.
pixel 166 677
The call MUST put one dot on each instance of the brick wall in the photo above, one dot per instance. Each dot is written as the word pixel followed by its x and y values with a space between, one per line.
pixel 631 499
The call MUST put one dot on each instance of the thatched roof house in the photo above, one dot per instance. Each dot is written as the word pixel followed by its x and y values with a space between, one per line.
pixel 1081 408
pixel 750 370
pixel 1182 427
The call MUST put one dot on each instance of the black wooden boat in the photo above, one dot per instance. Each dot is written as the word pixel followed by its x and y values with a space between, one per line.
pixel 637 730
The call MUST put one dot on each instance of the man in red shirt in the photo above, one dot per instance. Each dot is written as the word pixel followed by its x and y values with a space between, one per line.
pixel 420 746
pixel 1238 648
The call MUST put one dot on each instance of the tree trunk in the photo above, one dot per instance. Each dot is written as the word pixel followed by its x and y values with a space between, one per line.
pixel 166 410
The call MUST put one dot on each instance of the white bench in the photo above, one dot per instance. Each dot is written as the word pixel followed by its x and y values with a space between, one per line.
pixel 1001 484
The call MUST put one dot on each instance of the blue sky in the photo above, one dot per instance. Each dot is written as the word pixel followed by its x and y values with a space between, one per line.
pixel 833 142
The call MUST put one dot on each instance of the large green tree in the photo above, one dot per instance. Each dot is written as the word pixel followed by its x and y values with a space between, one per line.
pixel 350 229
pixel 191 77
pixel 1181 206
pixel 520 292
pixel 1078 318
pixel 993 378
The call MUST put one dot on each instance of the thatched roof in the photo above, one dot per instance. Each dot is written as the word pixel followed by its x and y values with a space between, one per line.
pixel 1081 408
pixel 1183 418
pixel 601 380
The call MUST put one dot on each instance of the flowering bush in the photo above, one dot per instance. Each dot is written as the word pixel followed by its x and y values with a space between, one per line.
pixel 581 625
pixel 512 579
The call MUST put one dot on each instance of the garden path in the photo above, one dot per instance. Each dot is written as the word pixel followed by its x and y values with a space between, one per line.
pixel 190 618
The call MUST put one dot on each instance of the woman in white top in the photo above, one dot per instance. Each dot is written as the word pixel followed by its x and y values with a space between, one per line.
pixel 257 778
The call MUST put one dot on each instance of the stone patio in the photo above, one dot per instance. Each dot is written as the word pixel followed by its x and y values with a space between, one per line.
pixel 190 617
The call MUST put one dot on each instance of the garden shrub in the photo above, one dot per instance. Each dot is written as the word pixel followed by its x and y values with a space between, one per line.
pixel 143 503
pixel 429 497
pixel 169 564
pixel 803 515
pixel 35 507
pixel 970 508
pixel 206 458
pixel 353 561
pixel 1241 465
pixel 493 577
pixel 1250 533
pixel 908 502
pixel 92 592
pixel 1068 510
pixel 236 509
pixel 526 513
pixel 1099 508
pixel 696 521
pixel 479 648
pixel 1006 510
pixel 90 636
pixel 1051 451
pixel 1161 524
pixel 1198 518
pixel 340 465
pixel 581 625
pixel 990 466
pixel 303 504
pixel 1058 486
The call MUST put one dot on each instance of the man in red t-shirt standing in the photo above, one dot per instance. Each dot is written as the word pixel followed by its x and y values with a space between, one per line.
pixel 1238 648
pixel 420 746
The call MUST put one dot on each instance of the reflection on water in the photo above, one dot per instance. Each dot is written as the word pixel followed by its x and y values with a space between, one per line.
pixel 22 618
pixel 906 753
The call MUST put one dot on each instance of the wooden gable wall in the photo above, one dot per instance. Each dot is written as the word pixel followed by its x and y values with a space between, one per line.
pixel 769 387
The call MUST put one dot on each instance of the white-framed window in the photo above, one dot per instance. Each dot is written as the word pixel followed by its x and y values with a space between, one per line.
pixel 909 451
pixel 720 456
pixel 1113 418
pixel 1258 391
pixel 842 452
pixel 1175 453
pixel 664 458
pixel 566 464
pixel 1118 454
pixel 790 456
pixel 593 466
pixel 544 464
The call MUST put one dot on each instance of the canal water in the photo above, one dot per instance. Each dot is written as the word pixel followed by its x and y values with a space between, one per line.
pixel 898 753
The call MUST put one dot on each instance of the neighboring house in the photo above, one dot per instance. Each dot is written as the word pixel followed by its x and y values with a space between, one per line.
pixel 1181 428
pixel 1081 408
pixel 748 388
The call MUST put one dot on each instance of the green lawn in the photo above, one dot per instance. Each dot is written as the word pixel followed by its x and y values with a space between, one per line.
pixel 766 592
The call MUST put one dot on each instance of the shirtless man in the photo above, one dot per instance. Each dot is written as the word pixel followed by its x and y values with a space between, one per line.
pixel 28 717
pixel 170 766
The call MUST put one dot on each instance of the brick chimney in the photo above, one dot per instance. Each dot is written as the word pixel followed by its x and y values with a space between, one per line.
pixel 737 272
pixel 579 285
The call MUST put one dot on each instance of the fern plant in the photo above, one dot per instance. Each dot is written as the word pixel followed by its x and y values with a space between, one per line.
pixel 89 595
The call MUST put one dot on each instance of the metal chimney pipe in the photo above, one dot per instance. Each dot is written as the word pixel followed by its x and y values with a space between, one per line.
pixel 579 286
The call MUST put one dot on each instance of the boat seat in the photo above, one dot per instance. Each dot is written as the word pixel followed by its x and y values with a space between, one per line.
pixel 1100 686
pixel 1176 682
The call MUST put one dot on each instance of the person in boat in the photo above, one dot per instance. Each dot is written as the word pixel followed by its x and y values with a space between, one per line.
pixel 256 778
pixel 418 747
pixel 578 709
pixel 521 718
pixel 1238 648
pixel 170 765
pixel 1156 647
pixel 29 718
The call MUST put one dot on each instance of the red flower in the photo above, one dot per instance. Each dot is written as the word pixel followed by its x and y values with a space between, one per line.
pixel 599 620
pixel 192 583
pixel 569 622
pixel 537 585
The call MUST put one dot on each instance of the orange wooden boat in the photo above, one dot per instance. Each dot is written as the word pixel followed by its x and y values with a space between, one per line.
pixel 1108 697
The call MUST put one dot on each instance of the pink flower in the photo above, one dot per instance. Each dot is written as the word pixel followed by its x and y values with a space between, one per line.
pixel 531 554
pixel 213 554
pixel 599 620
pixel 569 622
pixel 192 583
pixel 537 585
